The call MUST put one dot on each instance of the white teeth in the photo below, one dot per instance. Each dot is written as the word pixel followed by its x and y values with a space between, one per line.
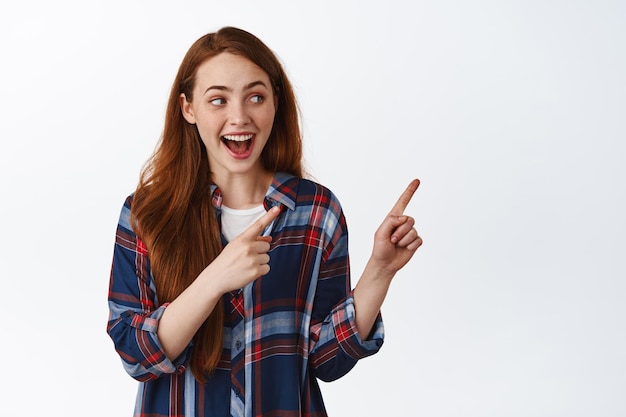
pixel 238 138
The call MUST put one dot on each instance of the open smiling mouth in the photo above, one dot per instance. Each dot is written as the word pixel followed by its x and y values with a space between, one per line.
pixel 238 144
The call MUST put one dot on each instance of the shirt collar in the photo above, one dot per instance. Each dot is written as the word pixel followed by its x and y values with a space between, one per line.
pixel 282 190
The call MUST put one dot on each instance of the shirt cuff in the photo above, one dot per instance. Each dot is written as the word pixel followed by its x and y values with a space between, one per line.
pixel 344 324
pixel 150 324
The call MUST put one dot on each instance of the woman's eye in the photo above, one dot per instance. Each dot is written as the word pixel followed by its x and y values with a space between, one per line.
pixel 257 98
pixel 217 101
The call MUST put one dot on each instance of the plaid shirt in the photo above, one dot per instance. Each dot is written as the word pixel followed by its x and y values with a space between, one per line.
pixel 281 332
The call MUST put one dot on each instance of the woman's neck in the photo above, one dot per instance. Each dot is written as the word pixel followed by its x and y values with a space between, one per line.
pixel 244 191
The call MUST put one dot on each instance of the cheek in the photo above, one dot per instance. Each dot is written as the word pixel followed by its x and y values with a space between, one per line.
pixel 268 118
pixel 208 125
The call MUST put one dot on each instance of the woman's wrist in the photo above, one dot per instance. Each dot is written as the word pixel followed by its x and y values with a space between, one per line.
pixel 378 271
pixel 210 285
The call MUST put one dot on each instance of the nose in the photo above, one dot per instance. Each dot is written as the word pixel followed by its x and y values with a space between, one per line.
pixel 238 115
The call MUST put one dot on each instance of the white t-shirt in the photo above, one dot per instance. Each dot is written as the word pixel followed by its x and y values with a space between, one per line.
pixel 236 221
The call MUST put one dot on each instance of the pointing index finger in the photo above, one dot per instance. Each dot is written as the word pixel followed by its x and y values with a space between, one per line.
pixel 405 198
pixel 259 226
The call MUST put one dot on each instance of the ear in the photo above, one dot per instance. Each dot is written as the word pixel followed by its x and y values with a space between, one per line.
pixel 186 109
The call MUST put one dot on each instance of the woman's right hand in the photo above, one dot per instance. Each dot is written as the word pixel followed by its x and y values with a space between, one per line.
pixel 245 258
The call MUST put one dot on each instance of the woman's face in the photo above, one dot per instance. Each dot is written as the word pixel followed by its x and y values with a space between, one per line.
pixel 233 108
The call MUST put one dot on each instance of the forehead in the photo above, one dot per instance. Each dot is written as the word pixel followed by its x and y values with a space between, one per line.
pixel 229 70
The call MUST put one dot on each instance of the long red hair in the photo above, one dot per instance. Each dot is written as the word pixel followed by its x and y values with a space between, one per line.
pixel 172 209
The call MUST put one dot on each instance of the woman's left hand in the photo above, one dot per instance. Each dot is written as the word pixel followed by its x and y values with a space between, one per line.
pixel 395 242
pixel 396 239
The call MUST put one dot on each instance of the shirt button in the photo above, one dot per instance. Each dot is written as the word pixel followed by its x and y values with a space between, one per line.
pixel 238 344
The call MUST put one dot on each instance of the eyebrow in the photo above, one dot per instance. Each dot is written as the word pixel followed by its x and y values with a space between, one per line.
pixel 246 87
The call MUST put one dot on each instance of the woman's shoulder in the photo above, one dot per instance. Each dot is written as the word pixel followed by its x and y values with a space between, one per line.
pixel 312 193
pixel 124 220
pixel 303 189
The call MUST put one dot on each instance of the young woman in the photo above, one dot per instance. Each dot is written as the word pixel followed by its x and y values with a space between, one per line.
pixel 230 291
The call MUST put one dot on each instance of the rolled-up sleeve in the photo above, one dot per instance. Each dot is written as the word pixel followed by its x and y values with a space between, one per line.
pixel 338 345
pixel 134 312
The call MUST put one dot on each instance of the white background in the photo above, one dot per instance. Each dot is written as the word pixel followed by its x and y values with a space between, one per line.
pixel 512 113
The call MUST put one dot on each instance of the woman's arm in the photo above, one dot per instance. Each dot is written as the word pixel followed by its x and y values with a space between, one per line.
pixel 395 242
pixel 242 261
pixel 150 338
pixel 335 344
pixel 134 312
